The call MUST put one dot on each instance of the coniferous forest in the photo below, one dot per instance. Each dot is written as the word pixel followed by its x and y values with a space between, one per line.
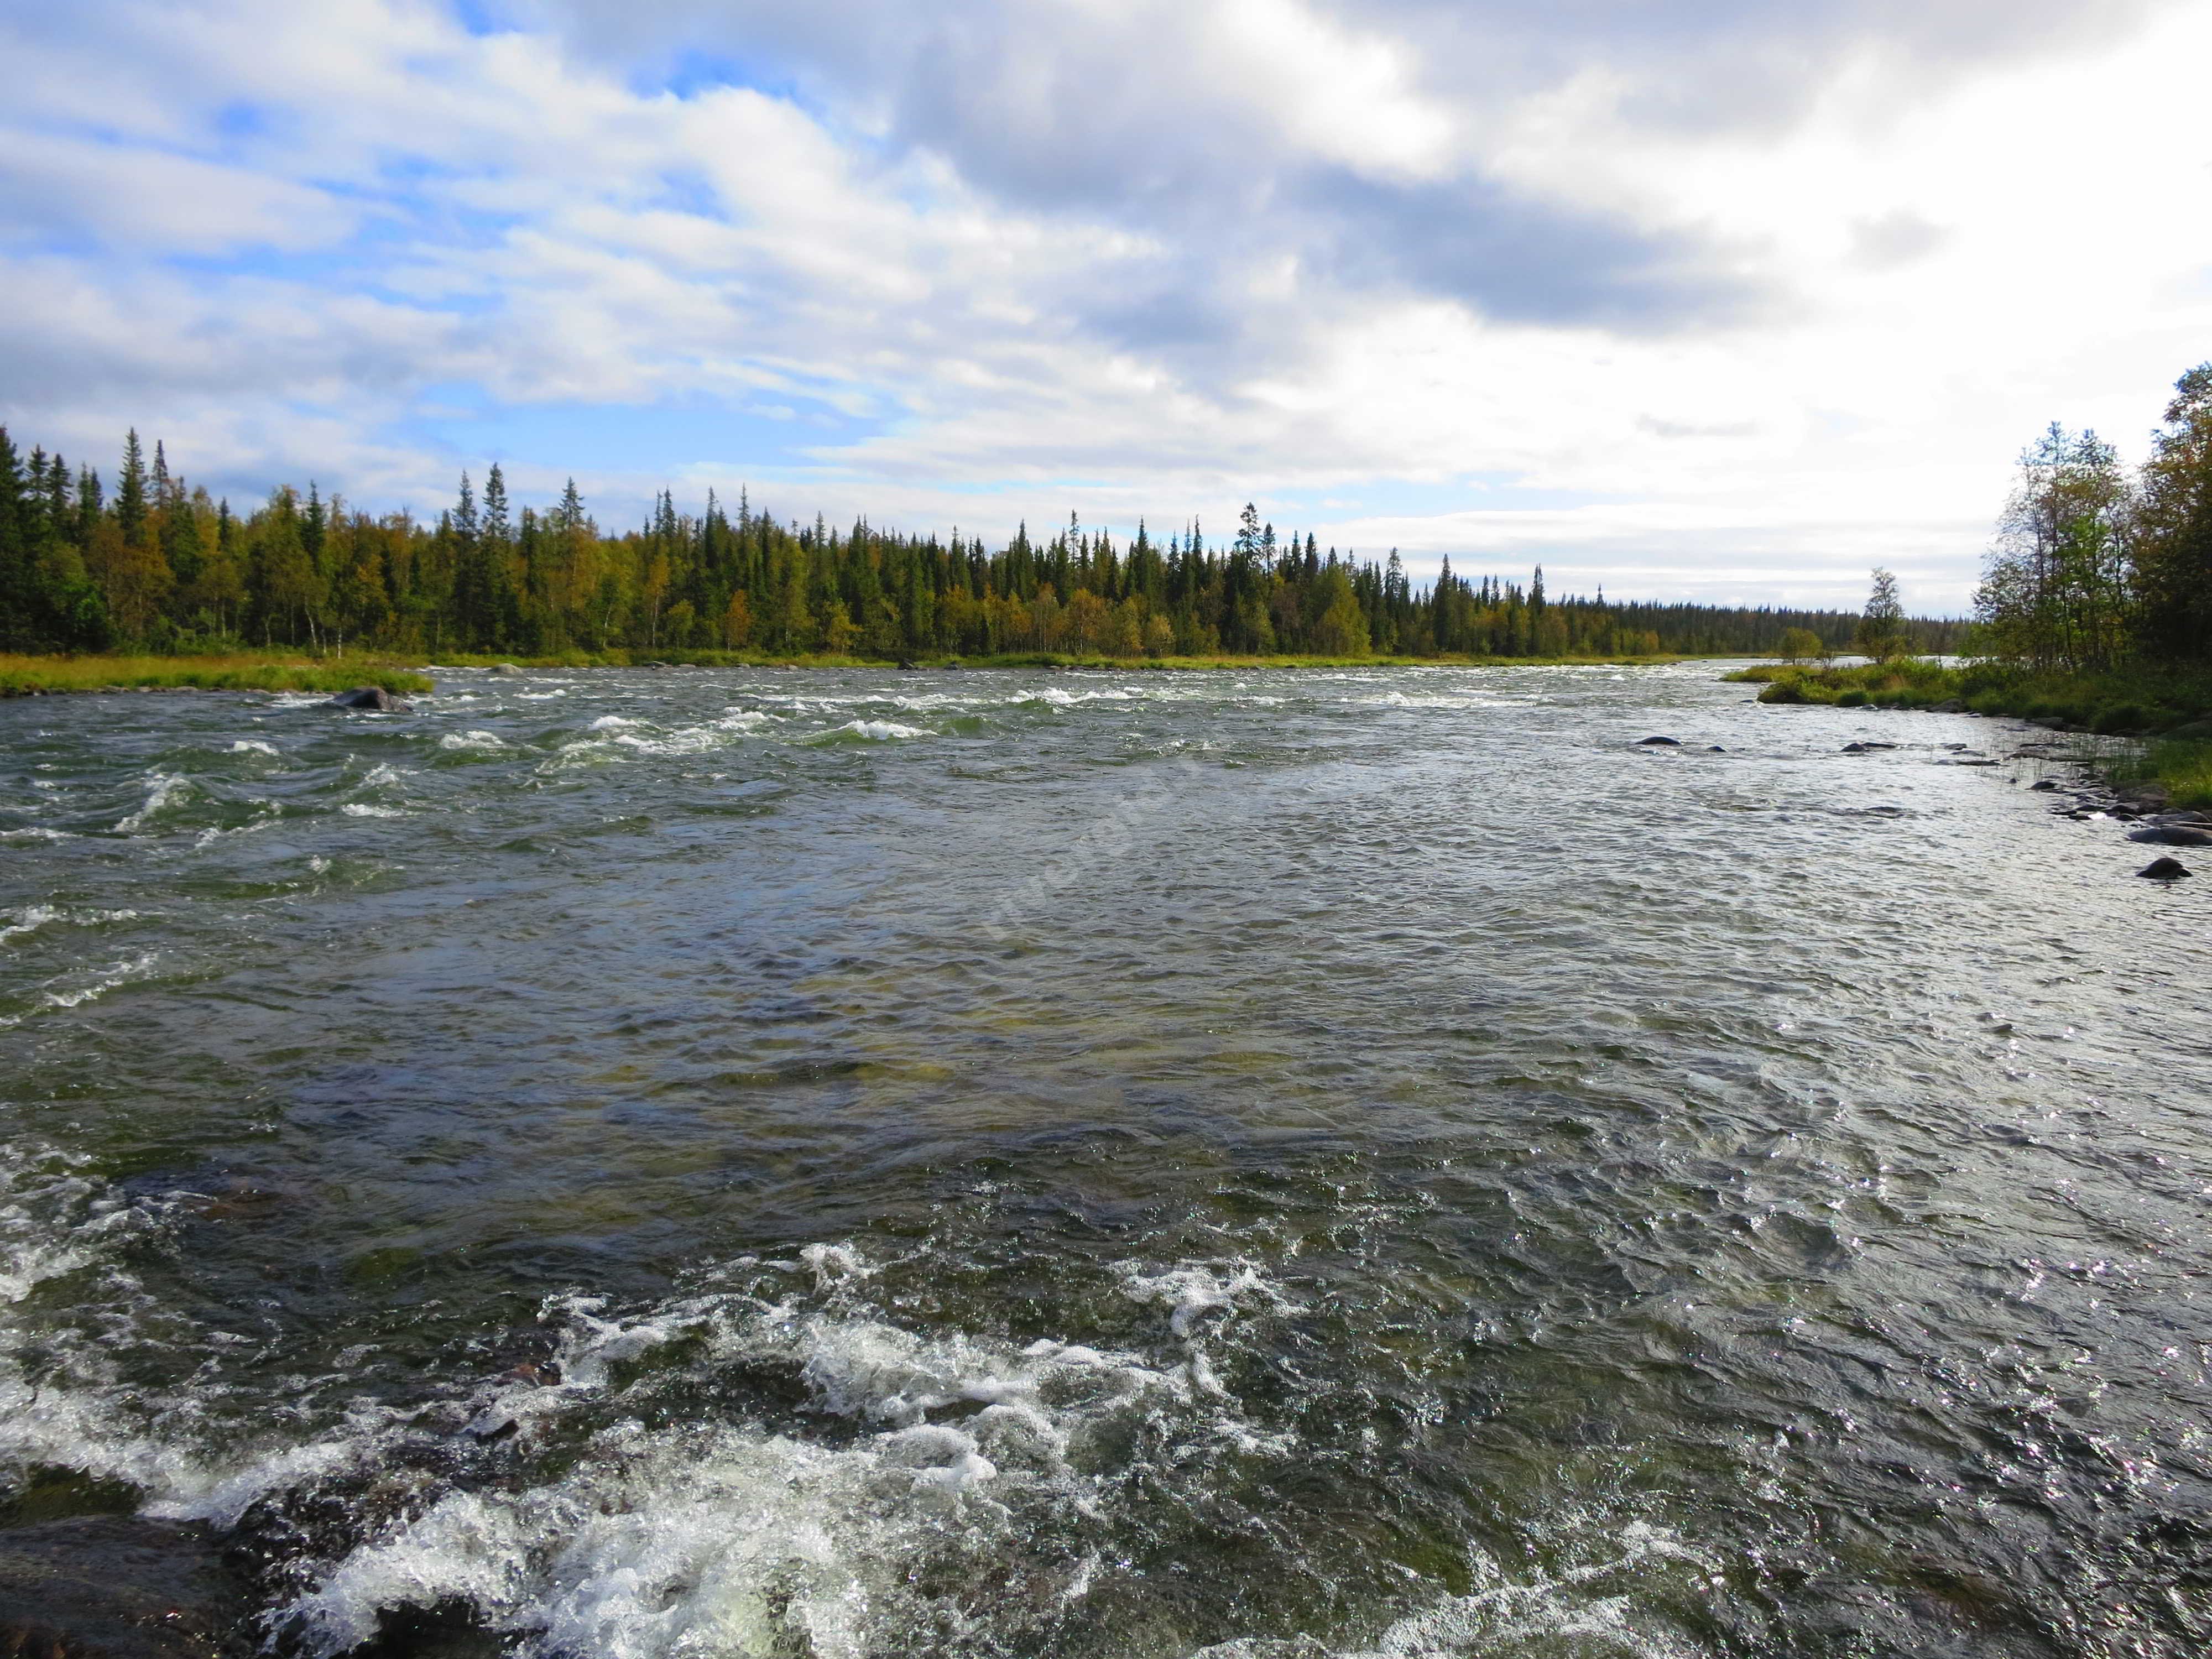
pixel 153 563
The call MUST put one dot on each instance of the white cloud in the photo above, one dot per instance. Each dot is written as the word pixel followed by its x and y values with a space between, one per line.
pixel 1142 258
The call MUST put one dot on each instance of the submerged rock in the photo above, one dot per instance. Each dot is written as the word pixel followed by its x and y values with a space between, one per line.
pixel 1660 743
pixel 374 698
pixel 505 668
pixel 118 1587
pixel 2164 870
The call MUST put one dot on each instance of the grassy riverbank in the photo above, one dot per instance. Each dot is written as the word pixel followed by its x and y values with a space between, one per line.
pixel 1024 659
pixel 31 676
pixel 2172 713
pixel 247 671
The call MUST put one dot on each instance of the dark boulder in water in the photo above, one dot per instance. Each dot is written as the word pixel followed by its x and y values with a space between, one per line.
pixel 116 1586
pixel 1660 743
pixel 2171 834
pixel 505 668
pixel 2164 870
pixel 374 698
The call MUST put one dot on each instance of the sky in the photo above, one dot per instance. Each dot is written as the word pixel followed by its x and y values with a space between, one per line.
pixel 1726 299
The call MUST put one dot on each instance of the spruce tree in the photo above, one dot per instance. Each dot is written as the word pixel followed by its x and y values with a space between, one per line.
pixel 17 607
pixel 130 492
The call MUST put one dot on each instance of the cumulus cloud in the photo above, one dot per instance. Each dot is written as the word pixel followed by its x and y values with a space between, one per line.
pixel 1710 287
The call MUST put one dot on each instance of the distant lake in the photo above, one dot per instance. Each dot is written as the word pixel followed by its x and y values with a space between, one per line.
pixel 1269 1165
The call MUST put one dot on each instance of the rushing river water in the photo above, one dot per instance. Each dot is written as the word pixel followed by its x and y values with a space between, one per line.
pixel 1277 1165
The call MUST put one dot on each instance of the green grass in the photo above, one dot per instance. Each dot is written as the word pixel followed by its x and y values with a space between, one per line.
pixel 1908 682
pixel 24 675
pixel 1014 659
pixel 2180 766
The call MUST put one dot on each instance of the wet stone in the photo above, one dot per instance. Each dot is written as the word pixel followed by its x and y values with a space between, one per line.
pixel 2171 834
pixel 373 699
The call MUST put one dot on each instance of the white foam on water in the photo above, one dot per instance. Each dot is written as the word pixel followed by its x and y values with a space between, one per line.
pixel 613 723
pixel 746 1538
pixel 1567 1614
pixel 35 833
pixel 103 980
pixel 31 918
pixel 213 834
pixel 167 787
pixel 966 1479
pixel 62 1399
pixel 880 731
pixel 28 919
pixel 684 740
pixel 1460 700
pixel 579 752
pixel 354 809
pixel 37 1180
pixel 1193 1294
pixel 1060 698
pixel 382 775
pixel 251 746
pixel 56 1221
pixel 482 743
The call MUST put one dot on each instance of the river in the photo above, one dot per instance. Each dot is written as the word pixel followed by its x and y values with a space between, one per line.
pixel 1078 1166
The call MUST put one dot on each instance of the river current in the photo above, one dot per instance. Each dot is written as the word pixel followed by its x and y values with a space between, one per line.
pixel 1076 1166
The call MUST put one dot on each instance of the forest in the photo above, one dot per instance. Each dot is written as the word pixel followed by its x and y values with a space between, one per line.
pixel 154 564
pixel 2097 568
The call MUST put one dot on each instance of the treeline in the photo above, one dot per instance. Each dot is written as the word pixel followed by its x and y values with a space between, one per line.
pixel 2096 568
pixel 158 565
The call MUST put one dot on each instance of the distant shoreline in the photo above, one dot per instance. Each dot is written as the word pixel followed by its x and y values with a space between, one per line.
pixel 47 676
